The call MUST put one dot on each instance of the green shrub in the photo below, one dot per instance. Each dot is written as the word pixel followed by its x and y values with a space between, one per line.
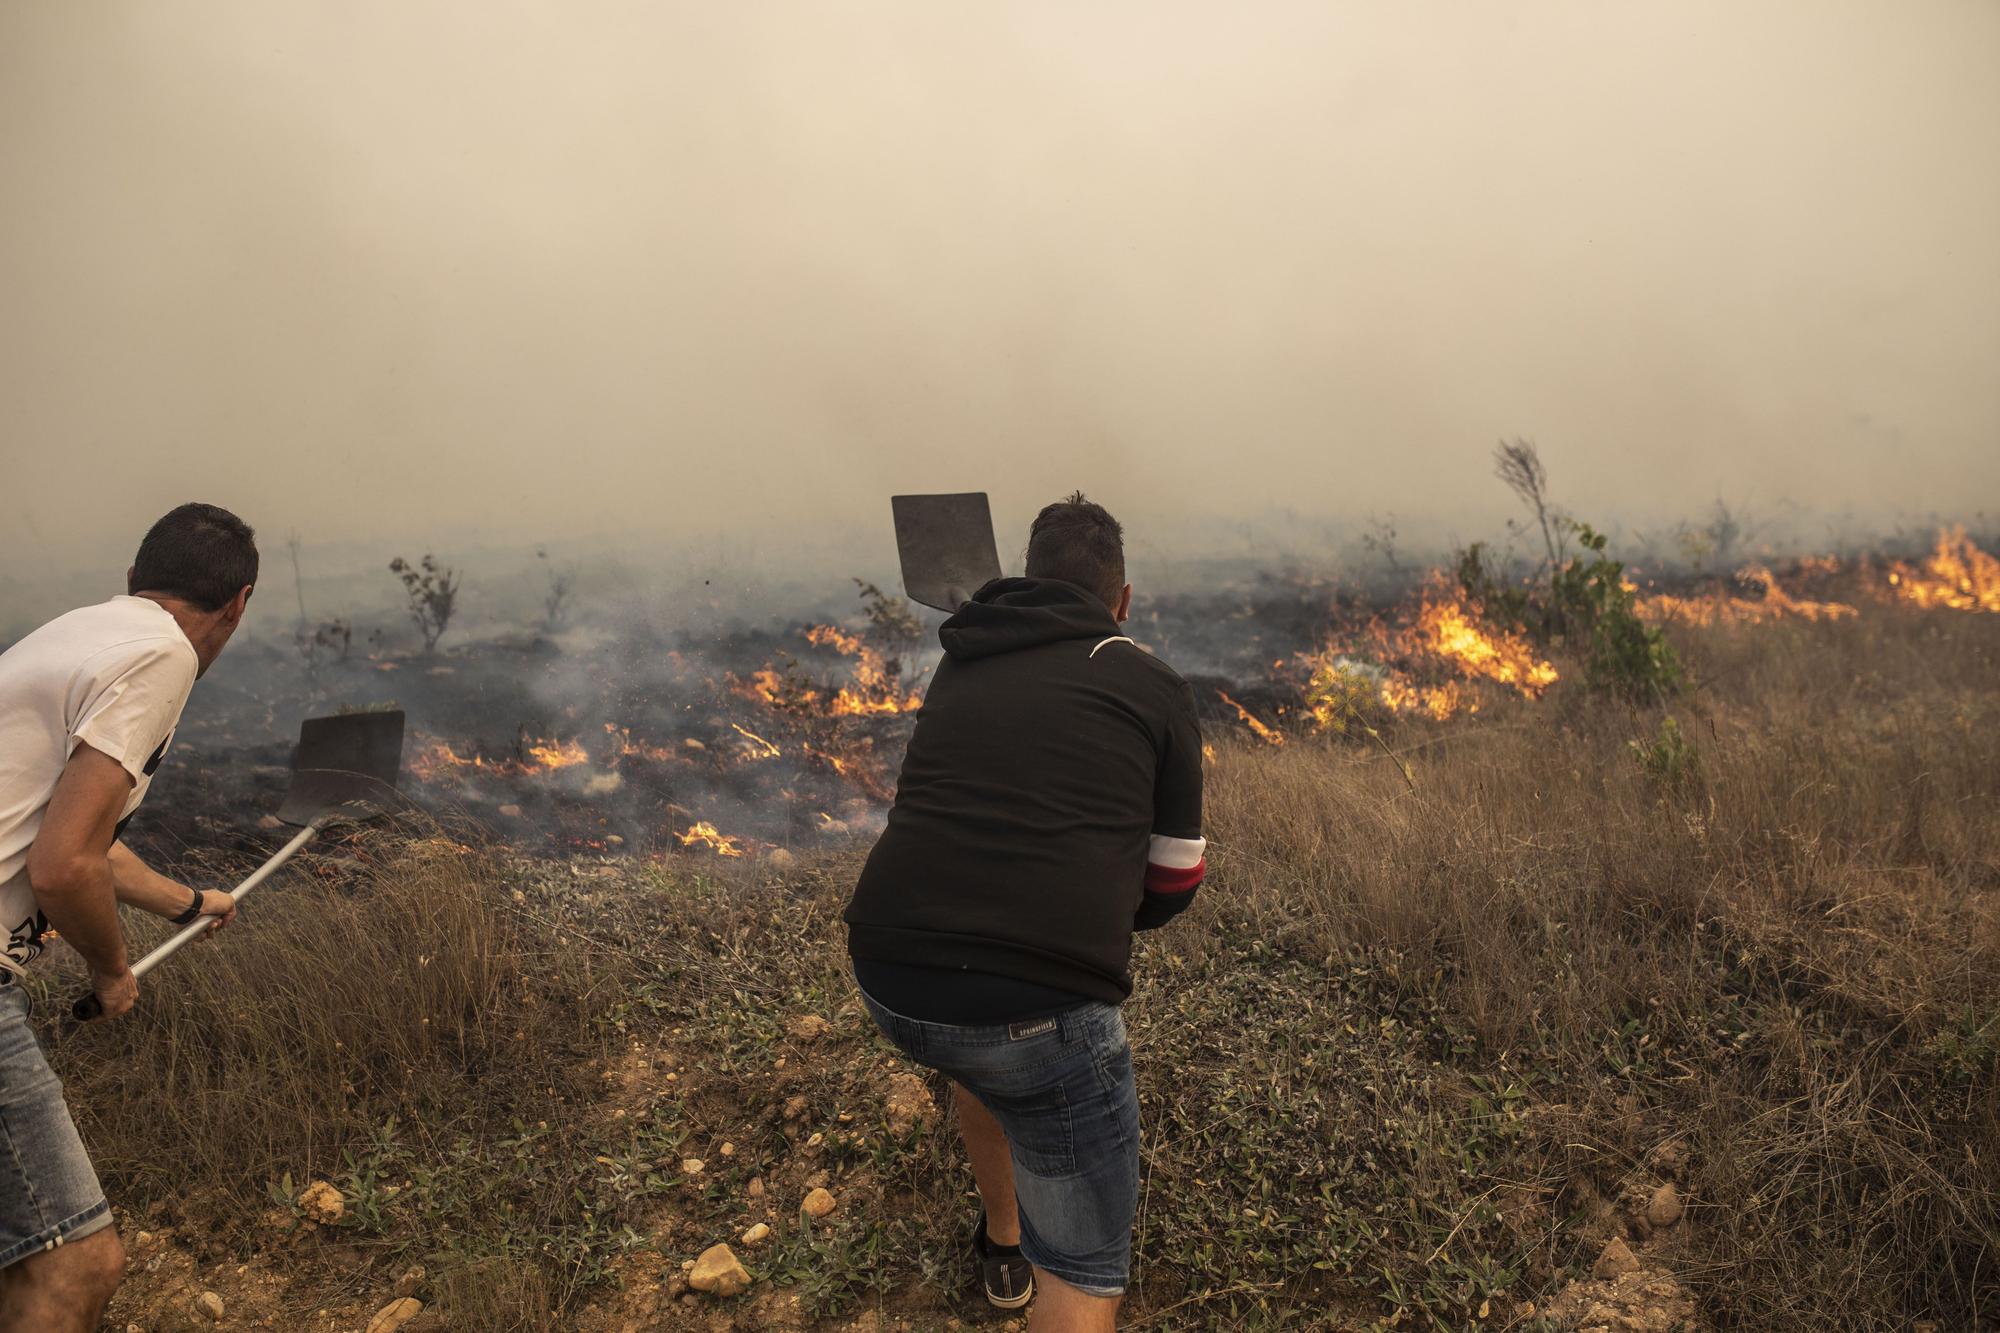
pixel 1593 606
pixel 1670 758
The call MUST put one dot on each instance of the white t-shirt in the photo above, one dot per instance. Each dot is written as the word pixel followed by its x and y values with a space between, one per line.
pixel 115 675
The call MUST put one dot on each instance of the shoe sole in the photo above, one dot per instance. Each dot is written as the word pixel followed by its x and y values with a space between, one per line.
pixel 1013 1304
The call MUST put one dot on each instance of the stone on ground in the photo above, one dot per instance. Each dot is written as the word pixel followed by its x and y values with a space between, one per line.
pixel 808 1027
pixel 818 1203
pixel 395 1314
pixel 409 1281
pixel 1616 1261
pixel 1665 1207
pixel 719 1272
pixel 322 1202
pixel 756 1235
pixel 209 1304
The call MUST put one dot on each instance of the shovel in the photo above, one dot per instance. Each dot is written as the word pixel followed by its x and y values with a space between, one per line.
pixel 344 771
pixel 945 543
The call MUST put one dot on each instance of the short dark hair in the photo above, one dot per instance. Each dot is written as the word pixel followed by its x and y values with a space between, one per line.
pixel 1079 542
pixel 199 553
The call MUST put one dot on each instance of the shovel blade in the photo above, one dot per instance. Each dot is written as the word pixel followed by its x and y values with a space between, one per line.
pixel 346 766
pixel 946 546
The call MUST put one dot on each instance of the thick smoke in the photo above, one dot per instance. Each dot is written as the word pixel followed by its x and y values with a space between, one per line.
pixel 658 275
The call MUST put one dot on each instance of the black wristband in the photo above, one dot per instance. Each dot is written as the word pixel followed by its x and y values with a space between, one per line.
pixel 192 914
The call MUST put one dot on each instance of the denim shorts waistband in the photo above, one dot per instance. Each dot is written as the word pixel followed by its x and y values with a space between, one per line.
pixel 1084 1020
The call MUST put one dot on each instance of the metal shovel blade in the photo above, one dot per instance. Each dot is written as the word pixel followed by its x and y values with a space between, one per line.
pixel 346 767
pixel 946 545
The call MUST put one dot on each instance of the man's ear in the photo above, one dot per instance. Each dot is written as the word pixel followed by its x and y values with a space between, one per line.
pixel 130 572
pixel 233 613
pixel 1124 604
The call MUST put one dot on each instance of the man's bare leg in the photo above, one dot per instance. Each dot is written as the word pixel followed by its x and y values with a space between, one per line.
pixel 992 1166
pixel 1061 1308
pixel 63 1290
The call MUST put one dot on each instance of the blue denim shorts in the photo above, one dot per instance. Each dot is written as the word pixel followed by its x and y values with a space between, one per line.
pixel 1061 1087
pixel 48 1190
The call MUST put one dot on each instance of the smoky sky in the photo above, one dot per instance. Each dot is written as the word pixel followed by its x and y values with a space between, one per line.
pixel 393 270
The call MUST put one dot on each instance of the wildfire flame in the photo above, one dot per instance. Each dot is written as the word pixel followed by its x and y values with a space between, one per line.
pixel 434 758
pixel 624 747
pixel 1447 630
pixel 875 688
pixel 1437 702
pixel 1723 607
pixel 704 834
pixel 1258 728
pixel 755 747
pixel 1956 575
pixel 558 754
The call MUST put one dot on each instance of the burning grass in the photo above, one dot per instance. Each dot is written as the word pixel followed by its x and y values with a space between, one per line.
pixel 1414 1054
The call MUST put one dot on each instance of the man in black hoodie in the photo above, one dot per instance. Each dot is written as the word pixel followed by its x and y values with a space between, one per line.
pixel 1049 805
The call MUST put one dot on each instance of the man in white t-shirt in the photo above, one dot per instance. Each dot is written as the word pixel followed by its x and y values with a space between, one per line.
pixel 88 704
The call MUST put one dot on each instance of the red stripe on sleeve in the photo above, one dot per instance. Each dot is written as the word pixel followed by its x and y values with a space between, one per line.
pixel 1166 879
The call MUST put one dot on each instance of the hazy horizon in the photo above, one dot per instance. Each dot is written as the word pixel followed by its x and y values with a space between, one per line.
pixel 382 274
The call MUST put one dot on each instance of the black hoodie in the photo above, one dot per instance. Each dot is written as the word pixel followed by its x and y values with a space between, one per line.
pixel 1050 800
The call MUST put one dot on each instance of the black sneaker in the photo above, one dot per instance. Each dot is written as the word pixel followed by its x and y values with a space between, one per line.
pixel 1009 1279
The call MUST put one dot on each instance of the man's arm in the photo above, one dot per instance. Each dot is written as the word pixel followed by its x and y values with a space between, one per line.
pixel 69 870
pixel 139 885
pixel 1176 858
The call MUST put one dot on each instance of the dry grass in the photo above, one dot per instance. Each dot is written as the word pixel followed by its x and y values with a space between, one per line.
pixel 397 1022
pixel 1788 959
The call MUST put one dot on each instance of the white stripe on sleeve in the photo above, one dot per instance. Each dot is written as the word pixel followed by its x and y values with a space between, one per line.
pixel 1176 853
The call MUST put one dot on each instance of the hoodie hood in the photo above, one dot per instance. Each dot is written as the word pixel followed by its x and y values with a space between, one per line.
pixel 1008 615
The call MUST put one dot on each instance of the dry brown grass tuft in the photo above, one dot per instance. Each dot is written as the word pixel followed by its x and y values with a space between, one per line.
pixel 1786 953
pixel 409 990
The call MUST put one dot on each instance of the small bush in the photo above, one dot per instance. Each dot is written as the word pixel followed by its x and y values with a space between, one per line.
pixel 561 583
pixel 432 591
pixel 1597 612
pixel 1669 758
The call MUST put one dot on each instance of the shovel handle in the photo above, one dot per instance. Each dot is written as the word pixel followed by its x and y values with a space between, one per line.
pixel 88 1006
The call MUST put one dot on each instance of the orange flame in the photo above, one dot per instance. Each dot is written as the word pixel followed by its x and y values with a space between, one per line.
pixel 1258 728
pixel 624 747
pixel 704 834
pixel 558 754
pixel 434 758
pixel 1448 631
pixel 875 689
pixel 1437 702
pixel 757 747
pixel 1956 575
pixel 1722 607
